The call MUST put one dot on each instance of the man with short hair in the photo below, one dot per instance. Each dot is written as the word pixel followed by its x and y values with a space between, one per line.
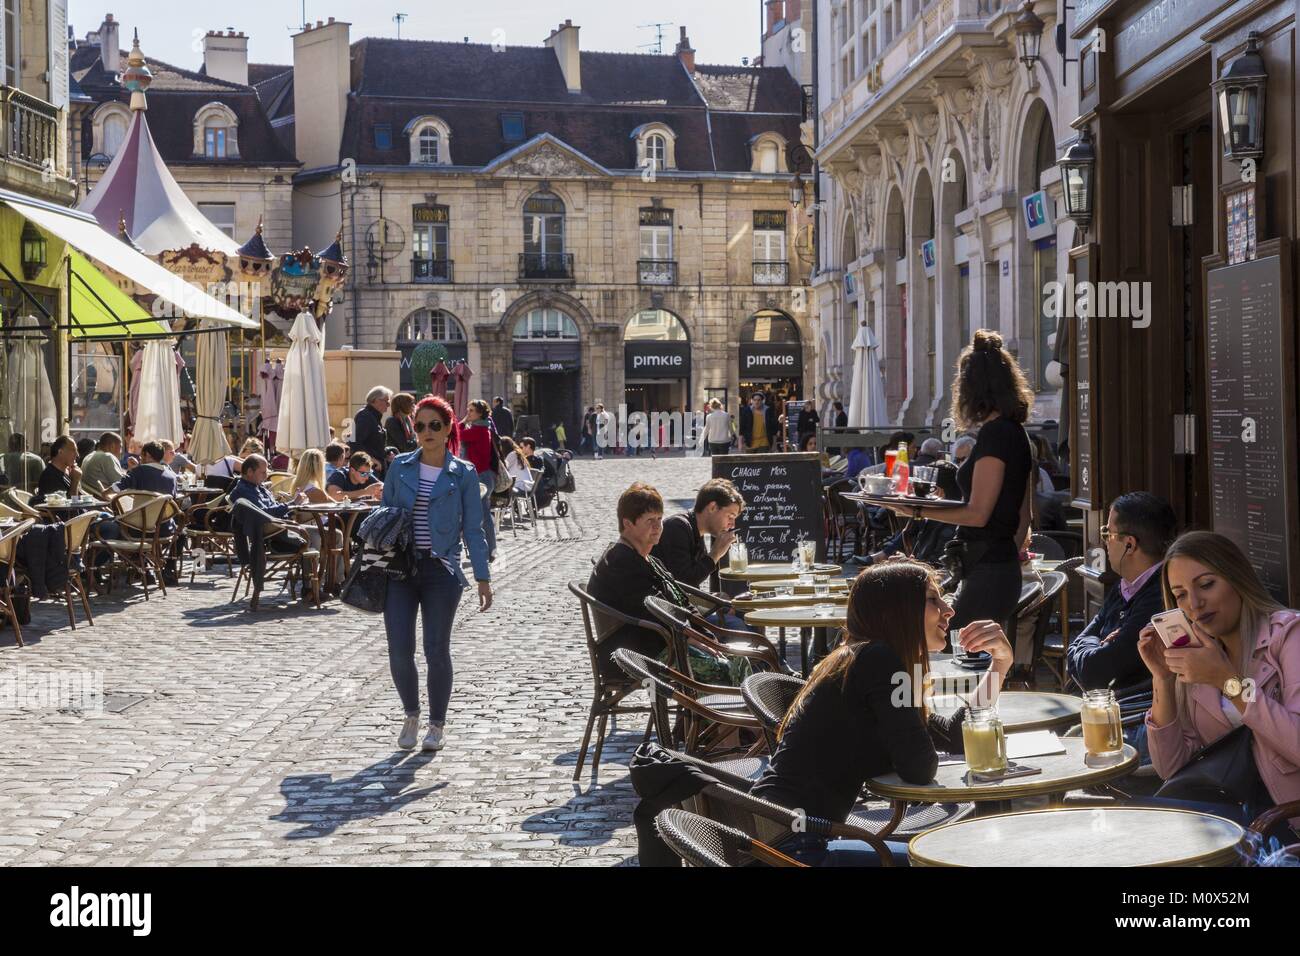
pixel 758 425
pixel 61 475
pixel 1138 529
pixel 931 451
pixel 151 474
pixel 22 467
pixel 355 481
pixel 681 545
pixel 102 468
pixel 962 448
pixel 368 424
pixel 503 418
pixel 336 457
pixel 604 428
pixel 841 416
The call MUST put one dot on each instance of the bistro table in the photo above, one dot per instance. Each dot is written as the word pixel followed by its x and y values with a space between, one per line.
pixel 776 601
pixel 339 516
pixel 800 590
pixel 71 507
pixel 1023 711
pixel 805 617
pixel 952 784
pixel 1083 836
pixel 774 571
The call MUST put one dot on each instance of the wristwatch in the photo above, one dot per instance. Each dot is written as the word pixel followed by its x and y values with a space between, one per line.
pixel 1232 687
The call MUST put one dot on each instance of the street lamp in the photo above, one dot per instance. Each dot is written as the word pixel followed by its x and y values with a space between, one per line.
pixel 796 191
pixel 1029 34
pixel 33 251
pixel 1240 92
pixel 1078 166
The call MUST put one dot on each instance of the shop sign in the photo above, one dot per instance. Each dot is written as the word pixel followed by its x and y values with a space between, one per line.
pixel 657 360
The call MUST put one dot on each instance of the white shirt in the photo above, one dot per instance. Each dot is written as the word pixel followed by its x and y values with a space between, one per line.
pixel 717 427
pixel 518 470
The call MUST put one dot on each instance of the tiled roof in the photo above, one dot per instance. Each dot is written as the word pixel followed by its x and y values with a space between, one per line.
pixel 259 72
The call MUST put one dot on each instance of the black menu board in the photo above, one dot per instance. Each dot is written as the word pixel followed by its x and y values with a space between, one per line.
pixel 1082 444
pixel 783 501
pixel 1252 422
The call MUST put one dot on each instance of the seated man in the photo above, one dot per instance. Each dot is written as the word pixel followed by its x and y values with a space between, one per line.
pixel 61 475
pixel 1138 528
pixel 102 468
pixel 681 545
pixel 336 457
pixel 251 487
pixel 151 474
pixel 627 573
pixel 355 481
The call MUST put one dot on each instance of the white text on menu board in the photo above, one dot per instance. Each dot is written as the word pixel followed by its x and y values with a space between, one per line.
pixel 770 515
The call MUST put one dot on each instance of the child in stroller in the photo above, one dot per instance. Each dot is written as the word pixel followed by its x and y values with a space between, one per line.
pixel 556 478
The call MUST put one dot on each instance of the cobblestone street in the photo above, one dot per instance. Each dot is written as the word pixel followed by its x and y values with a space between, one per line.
pixel 269 738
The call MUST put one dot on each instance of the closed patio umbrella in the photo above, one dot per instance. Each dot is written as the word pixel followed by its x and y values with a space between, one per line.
pixel 867 395
pixel 438 379
pixel 159 410
pixel 460 399
pixel 304 415
pixel 30 398
pixel 208 444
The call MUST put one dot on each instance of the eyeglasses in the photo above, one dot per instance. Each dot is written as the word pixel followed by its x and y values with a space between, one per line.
pixel 434 425
pixel 1108 535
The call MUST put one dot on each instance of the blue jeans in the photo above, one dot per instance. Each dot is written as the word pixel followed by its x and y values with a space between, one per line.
pixel 436 594
pixel 819 851
pixel 487 479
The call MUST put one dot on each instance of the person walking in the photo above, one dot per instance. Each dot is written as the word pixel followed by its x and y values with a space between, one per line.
pixel 604 427
pixel 480 449
pixel 503 418
pixel 717 429
pixel 441 492
pixel 758 425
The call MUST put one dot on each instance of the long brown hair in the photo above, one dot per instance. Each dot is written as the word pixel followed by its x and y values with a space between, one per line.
pixel 989 380
pixel 886 604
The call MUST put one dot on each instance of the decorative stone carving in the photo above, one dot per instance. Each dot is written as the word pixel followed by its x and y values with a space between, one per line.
pixel 545 162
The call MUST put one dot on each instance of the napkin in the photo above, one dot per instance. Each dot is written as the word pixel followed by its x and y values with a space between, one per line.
pixel 1037 743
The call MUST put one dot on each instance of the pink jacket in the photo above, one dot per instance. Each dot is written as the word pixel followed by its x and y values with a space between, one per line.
pixel 1273 716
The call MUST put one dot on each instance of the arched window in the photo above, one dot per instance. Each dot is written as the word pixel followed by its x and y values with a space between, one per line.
pixel 114 134
pixel 546 324
pixel 430 141
pixel 110 124
pixel 428 145
pixel 428 326
pixel 655 146
pixel 656 151
pixel 768 153
pixel 770 327
pixel 216 132
pixel 655 325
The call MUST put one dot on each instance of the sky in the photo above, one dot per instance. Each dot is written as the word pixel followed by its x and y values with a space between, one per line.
pixel 721 31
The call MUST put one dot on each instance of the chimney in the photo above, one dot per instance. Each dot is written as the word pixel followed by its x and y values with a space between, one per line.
pixel 775 14
pixel 225 56
pixel 685 53
pixel 564 41
pixel 322 78
pixel 110 50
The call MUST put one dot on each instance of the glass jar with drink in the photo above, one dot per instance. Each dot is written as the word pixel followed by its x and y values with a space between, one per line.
pixel 1103 736
pixel 984 739
pixel 738 556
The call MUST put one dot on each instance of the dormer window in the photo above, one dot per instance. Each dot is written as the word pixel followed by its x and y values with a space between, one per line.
pixel 111 121
pixel 430 140
pixel 655 147
pixel 767 152
pixel 216 133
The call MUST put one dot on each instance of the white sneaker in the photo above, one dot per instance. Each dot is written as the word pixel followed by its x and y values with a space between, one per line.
pixel 433 740
pixel 410 730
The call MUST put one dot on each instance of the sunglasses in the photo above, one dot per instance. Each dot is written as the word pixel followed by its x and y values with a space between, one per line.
pixel 434 425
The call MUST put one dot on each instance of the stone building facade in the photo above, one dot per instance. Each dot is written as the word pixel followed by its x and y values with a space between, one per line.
pixel 577 226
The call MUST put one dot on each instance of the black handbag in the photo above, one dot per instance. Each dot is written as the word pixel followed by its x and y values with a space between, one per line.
pixel 366 587
pixel 1221 772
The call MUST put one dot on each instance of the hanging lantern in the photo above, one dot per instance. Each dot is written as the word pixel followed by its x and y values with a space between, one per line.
pixel 796 191
pixel 1029 34
pixel 1078 168
pixel 33 244
pixel 1240 92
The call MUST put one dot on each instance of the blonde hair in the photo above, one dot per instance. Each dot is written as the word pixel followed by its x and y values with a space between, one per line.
pixel 311 470
pixel 252 446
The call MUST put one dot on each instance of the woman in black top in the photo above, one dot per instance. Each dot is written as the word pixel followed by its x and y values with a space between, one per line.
pixel 989 391
pixel 863 713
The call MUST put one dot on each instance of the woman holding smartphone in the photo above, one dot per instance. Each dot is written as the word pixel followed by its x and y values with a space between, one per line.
pixel 989 392
pixel 1242 668
pixel 848 724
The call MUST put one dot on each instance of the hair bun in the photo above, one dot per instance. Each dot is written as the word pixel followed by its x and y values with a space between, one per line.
pixel 986 341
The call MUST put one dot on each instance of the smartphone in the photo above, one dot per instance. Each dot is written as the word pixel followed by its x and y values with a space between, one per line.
pixel 1013 770
pixel 1174 629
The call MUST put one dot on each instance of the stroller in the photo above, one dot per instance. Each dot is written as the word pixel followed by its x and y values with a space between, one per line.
pixel 556 479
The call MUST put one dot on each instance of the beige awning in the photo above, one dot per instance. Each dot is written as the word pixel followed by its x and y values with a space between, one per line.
pixel 85 234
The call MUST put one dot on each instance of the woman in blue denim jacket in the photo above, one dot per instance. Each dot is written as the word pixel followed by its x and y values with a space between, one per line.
pixel 442 493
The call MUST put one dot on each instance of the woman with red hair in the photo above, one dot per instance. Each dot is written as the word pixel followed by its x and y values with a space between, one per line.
pixel 442 493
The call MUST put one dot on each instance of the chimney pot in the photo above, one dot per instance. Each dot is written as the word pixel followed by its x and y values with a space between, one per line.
pixel 319 24
pixel 331 20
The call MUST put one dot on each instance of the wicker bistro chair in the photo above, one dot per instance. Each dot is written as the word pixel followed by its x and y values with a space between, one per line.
pixel 768 697
pixel 1289 855
pixel 680 624
pixel 600 622
pixel 141 516
pixel 710 713
pixel 1053 583
pixel 21 502
pixel 209 535
pixel 700 841
pixel 280 482
pixel 76 533
pixel 1056 644
pixel 296 569
pixel 846 516
pixel 9 539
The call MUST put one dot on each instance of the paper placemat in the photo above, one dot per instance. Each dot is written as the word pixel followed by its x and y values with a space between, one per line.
pixel 1036 743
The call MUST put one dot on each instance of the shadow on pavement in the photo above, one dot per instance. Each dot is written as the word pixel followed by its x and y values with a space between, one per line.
pixel 319 804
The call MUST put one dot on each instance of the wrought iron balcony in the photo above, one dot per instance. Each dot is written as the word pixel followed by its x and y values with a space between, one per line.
pixel 31 129
pixel 656 271
pixel 432 270
pixel 546 266
pixel 771 273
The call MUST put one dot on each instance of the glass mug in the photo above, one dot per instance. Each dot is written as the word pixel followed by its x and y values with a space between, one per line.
pixel 822 585
pixel 808 554
pixel 1102 733
pixel 985 740
pixel 738 556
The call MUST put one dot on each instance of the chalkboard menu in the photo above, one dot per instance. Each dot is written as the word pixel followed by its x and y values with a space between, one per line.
pixel 783 501
pixel 1252 417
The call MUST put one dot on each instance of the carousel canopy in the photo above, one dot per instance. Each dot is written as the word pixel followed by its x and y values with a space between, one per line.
pixel 139 188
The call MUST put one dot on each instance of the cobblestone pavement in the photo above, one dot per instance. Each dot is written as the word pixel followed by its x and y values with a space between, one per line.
pixel 270 738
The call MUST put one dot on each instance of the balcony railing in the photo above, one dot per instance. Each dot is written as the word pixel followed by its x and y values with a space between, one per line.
pixel 546 266
pixel 657 271
pixel 31 129
pixel 432 270
pixel 771 273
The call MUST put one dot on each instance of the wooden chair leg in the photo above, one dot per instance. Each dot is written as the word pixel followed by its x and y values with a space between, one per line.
pixel 586 737
pixel 600 744
pixel 85 601
pixel 67 598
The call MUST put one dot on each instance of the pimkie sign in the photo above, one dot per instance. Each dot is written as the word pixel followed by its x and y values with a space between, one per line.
pixel 657 360
pixel 767 361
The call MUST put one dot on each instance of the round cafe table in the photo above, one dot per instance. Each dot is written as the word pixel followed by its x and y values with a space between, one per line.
pixel 341 517
pixel 1083 836
pixel 771 571
pixel 812 626
pixel 1023 711
pixel 70 508
pixel 1060 773
pixel 776 601
pixel 801 590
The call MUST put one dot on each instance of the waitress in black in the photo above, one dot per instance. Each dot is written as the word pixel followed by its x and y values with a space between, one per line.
pixel 989 392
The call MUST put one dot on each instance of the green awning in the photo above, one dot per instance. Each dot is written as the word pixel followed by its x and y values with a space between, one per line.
pixel 100 310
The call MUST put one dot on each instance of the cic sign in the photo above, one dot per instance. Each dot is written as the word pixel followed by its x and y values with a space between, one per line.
pixel 657 360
